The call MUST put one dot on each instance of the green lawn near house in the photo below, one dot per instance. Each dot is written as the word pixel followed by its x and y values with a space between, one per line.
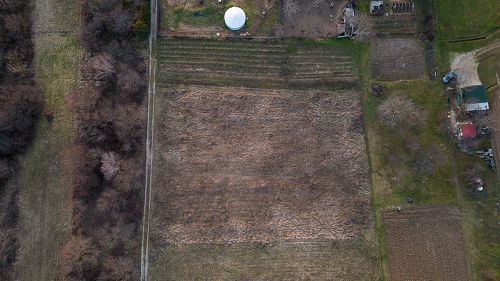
pixel 467 17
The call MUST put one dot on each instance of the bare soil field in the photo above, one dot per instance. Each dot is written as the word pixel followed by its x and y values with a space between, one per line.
pixel 395 24
pixel 397 59
pixel 310 19
pixel 426 244
pixel 269 166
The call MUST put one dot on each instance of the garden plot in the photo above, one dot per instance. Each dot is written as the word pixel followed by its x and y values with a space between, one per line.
pixel 259 154
pixel 397 59
pixel 426 244
pixel 255 64
pixel 396 23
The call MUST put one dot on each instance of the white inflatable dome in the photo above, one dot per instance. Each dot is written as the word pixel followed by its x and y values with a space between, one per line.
pixel 235 18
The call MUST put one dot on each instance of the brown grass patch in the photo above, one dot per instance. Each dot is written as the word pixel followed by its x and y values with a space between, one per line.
pixel 242 165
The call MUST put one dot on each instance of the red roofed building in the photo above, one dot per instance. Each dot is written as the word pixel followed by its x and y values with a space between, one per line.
pixel 466 131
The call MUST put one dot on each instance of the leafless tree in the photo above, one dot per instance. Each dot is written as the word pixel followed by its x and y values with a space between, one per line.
pixel 99 67
pixel 130 177
pixel 130 83
pixel 110 164
pixel 17 23
pixel 110 200
pixel 16 61
pixel 10 5
pixel 398 111
pixel 80 258
pixel 8 245
pixel 83 163
pixel 128 122
pixel 118 269
pixel 290 7
pixel 4 169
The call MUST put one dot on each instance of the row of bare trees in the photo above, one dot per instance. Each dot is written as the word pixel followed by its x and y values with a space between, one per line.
pixel 108 159
pixel 19 107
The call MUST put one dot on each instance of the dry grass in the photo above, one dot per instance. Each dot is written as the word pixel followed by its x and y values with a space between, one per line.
pixel 238 165
pixel 281 261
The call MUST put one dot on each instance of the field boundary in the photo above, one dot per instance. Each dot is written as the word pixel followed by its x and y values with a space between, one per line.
pixel 149 140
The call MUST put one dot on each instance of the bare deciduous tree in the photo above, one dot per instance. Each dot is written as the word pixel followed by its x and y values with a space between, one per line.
pixel 129 178
pixel 98 68
pixel 17 23
pixel 398 111
pixel 117 269
pixel 110 200
pixel 290 7
pixel 10 5
pixel 110 164
pixel 129 123
pixel 80 258
pixel 129 82
pixel 16 61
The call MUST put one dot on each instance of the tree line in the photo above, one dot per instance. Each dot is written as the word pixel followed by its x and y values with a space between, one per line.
pixel 108 158
pixel 20 100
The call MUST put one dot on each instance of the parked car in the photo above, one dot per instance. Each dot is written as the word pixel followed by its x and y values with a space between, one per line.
pixel 448 77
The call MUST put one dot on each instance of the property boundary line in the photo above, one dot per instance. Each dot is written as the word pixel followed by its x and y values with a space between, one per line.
pixel 149 141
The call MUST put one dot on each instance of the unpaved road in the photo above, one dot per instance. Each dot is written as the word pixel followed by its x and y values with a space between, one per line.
pixel 149 140
pixel 465 65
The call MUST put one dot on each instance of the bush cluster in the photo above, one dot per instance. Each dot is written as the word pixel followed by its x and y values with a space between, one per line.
pixel 108 159
pixel 19 107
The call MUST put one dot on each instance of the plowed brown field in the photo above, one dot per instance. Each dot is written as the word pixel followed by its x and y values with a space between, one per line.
pixel 426 244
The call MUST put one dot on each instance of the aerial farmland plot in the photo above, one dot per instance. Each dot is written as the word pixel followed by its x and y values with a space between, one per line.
pixel 426 244
pixel 260 169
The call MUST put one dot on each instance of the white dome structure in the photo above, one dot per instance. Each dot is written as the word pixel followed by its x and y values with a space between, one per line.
pixel 235 18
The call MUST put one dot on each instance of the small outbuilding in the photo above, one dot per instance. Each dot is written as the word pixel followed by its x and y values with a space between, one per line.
pixel 235 18
pixel 376 7
pixel 475 98
pixel 466 130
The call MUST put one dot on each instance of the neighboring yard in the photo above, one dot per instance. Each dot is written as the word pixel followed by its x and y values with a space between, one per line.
pixel 193 18
pixel 260 168
pixel 410 162
pixel 489 67
pixel 464 18
pixel 45 184
pixel 480 214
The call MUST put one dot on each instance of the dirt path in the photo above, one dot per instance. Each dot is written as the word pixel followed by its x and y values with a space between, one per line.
pixel 149 140
pixel 465 65
pixel 495 107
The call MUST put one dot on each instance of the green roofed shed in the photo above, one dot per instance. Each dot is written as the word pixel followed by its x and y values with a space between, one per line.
pixel 475 98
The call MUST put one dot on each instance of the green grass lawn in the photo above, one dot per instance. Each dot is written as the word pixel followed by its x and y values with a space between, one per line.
pixel 210 16
pixel 467 17
pixel 489 66
pixel 45 185
pixel 44 182
pixel 394 164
